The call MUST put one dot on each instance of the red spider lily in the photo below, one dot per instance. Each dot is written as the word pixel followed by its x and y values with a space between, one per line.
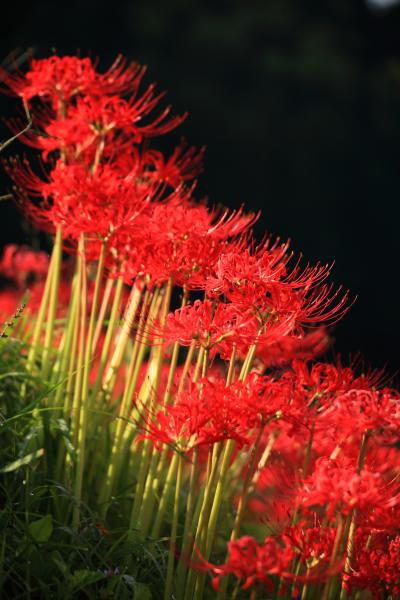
pixel 219 326
pixel 359 410
pixel 184 164
pixel 302 393
pixel 99 203
pixel 339 487
pixel 259 279
pixel 244 275
pixel 271 353
pixel 314 546
pixel 25 271
pixel 53 78
pixel 376 564
pixel 185 239
pixel 58 79
pixel 208 413
pixel 252 562
pixel 322 378
pixel 207 323
pixel 21 263
pixel 108 119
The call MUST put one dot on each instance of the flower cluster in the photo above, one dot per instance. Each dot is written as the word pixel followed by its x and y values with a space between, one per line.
pixel 202 344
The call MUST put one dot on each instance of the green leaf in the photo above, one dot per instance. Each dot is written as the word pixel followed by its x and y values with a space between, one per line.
pixel 42 529
pixel 59 562
pixel 83 578
pixel 20 462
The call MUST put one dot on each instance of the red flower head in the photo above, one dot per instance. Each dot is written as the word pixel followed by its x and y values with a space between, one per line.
pixel 208 324
pixel 339 486
pixel 21 264
pixel 314 546
pixel 376 565
pixel 252 562
pixel 357 411
pixel 206 413
pixel 59 79
pixel 109 120
pixel 281 352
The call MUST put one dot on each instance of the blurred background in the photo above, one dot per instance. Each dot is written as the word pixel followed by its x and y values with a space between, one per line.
pixel 299 106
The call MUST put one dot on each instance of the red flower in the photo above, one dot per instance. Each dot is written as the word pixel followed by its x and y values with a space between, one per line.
pixel 359 410
pixel 209 412
pixel 188 238
pixel 208 324
pixel 98 204
pixel 258 279
pixel 376 564
pixel 314 546
pixel 184 164
pixel 284 350
pixel 339 487
pixel 109 119
pixel 22 265
pixel 58 79
pixel 252 562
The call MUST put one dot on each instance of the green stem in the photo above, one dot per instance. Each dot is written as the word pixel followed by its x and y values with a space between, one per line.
pixel 53 302
pixel 122 339
pixel 123 412
pixel 264 459
pixel 149 498
pixel 162 507
pixel 65 354
pixel 35 342
pixel 187 530
pixel 246 486
pixel 174 529
pixel 141 343
pixel 248 363
pixel 82 283
pixel 109 335
pixel 85 397
pixel 65 373
pixel 201 516
pixel 102 312
pixel 141 482
pixel 151 382
pixel 304 591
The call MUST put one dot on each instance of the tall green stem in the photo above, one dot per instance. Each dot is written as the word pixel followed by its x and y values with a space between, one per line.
pixel 124 409
pixel 35 342
pixel 112 323
pixel 84 413
pixel 122 338
pixel 187 531
pixel 53 303
pixel 102 312
pixel 162 507
pixel 174 530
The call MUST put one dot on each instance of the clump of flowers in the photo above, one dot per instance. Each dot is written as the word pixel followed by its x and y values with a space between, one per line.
pixel 182 354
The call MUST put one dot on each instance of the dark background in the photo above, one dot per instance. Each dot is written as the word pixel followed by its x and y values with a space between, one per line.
pixel 299 106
